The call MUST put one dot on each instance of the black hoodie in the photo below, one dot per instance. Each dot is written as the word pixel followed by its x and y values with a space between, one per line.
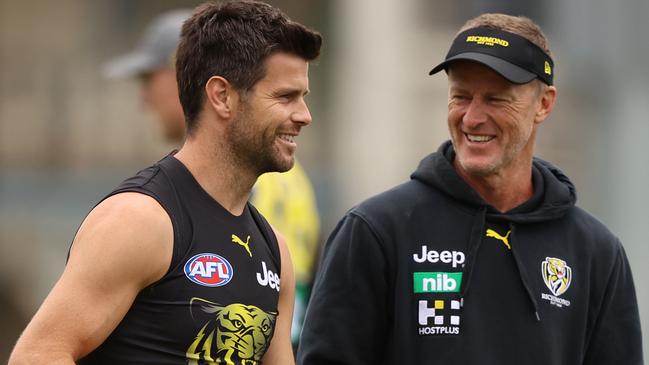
pixel 429 273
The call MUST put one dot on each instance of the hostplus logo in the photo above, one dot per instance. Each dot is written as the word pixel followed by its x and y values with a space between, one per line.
pixel 439 317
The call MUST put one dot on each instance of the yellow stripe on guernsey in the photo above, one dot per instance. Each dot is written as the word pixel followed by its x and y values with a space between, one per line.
pixel 487 41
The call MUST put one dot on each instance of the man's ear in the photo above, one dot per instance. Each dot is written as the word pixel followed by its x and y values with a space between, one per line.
pixel 221 96
pixel 546 105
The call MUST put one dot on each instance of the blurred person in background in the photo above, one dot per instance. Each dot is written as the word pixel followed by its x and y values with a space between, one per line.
pixel 152 62
pixel 286 200
pixel 483 256
pixel 175 266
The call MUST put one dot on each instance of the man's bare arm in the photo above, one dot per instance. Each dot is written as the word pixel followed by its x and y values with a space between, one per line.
pixel 124 245
pixel 280 351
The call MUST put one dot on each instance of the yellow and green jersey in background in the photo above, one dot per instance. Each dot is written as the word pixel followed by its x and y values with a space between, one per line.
pixel 288 202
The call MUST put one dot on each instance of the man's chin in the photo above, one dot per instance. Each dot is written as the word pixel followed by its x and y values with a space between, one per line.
pixel 279 165
pixel 286 165
pixel 479 168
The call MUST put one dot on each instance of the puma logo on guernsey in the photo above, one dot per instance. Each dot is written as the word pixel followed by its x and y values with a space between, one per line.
pixel 238 241
pixel 494 234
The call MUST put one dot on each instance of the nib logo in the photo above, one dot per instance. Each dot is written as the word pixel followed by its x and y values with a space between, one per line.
pixel 437 282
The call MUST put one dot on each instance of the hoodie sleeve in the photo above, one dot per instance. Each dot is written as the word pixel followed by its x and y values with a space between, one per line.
pixel 346 321
pixel 616 337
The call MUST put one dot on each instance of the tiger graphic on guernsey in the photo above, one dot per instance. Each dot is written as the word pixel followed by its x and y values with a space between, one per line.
pixel 235 334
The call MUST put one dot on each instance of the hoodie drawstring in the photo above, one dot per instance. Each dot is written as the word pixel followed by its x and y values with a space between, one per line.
pixel 475 241
pixel 523 274
pixel 477 232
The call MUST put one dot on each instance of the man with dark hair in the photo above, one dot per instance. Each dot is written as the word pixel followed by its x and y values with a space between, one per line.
pixel 483 256
pixel 287 200
pixel 174 266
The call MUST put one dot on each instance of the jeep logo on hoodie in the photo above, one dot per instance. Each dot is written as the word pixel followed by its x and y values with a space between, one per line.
pixel 455 258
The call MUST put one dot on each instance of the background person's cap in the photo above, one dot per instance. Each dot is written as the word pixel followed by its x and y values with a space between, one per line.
pixel 512 56
pixel 155 49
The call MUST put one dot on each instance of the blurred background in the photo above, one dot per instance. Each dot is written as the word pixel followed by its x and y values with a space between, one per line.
pixel 68 135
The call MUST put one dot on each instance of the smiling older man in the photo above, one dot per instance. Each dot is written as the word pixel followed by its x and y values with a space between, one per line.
pixel 483 257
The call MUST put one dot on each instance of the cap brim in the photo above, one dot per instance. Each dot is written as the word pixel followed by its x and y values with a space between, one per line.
pixel 507 70
pixel 128 65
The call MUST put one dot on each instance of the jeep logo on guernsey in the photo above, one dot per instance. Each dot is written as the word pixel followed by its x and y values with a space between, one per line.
pixel 267 277
pixel 455 258
pixel 209 269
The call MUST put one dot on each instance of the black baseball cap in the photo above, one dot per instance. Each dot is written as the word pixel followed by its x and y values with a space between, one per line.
pixel 513 57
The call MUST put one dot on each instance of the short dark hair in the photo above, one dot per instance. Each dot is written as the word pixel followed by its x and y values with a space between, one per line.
pixel 233 39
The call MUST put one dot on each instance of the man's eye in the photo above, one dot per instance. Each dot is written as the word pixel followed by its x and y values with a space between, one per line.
pixel 497 99
pixel 286 97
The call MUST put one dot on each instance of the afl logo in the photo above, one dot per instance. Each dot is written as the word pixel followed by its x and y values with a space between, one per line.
pixel 209 269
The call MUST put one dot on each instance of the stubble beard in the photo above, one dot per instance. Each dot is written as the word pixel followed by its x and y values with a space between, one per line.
pixel 254 149
pixel 509 155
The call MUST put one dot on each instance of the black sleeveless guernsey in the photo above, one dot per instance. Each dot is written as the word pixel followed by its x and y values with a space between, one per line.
pixel 217 304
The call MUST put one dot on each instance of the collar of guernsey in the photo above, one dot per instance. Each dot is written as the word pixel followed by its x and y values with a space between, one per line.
pixel 512 56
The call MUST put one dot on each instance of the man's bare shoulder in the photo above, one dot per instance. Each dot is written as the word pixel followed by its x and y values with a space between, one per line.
pixel 124 245
pixel 128 230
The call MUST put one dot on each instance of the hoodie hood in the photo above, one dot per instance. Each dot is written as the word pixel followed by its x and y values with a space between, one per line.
pixel 554 194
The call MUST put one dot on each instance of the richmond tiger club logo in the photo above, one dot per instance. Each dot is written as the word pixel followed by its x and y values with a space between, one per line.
pixel 557 276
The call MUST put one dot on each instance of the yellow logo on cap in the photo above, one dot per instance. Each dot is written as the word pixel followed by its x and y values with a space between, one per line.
pixel 487 41
pixel 548 69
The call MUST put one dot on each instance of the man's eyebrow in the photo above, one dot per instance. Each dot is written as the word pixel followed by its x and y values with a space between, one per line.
pixel 290 91
pixel 457 88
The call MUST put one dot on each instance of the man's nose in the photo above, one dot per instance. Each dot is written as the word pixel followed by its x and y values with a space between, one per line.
pixel 475 113
pixel 302 114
